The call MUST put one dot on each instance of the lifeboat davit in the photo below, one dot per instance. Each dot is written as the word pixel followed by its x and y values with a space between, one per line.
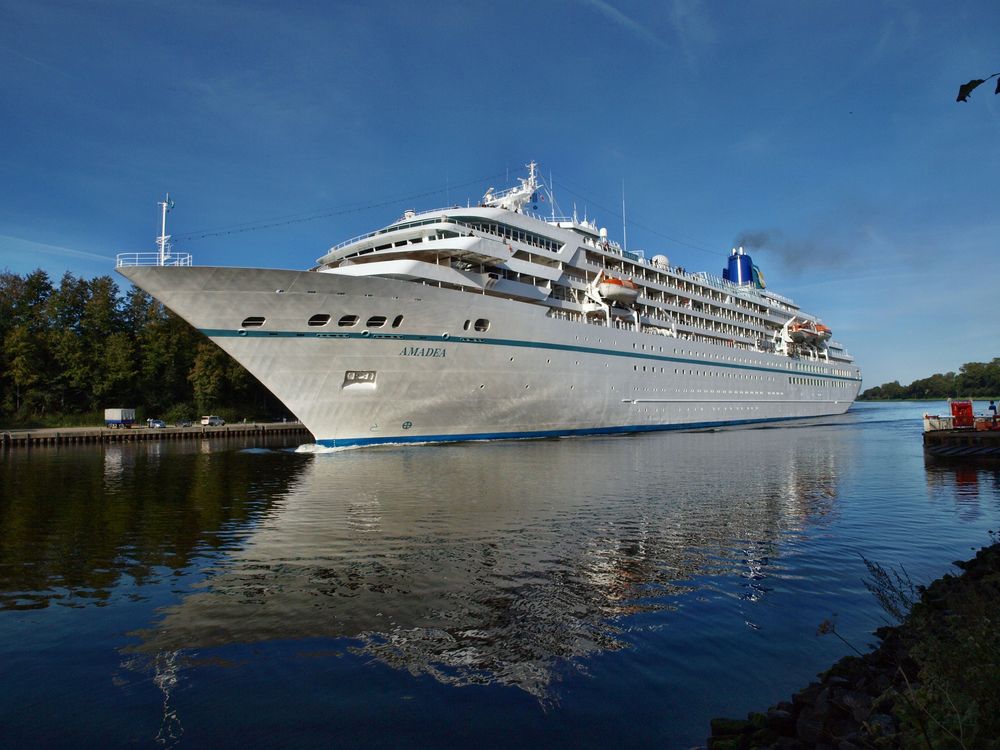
pixel 621 291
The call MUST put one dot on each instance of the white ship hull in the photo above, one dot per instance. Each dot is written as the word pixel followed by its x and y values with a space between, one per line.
pixel 435 378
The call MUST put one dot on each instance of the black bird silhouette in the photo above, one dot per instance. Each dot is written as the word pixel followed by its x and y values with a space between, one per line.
pixel 967 88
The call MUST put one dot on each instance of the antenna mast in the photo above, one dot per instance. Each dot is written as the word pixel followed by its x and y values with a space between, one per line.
pixel 624 227
pixel 552 197
pixel 163 240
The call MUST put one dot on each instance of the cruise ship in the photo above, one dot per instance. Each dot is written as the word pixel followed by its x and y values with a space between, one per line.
pixel 492 321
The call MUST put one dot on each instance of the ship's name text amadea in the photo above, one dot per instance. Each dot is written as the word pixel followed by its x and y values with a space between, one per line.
pixel 422 351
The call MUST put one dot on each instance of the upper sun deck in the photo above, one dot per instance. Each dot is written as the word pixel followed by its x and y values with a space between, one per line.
pixel 504 247
pixel 494 234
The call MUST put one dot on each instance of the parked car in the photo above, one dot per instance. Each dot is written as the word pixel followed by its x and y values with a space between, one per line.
pixel 156 424
pixel 212 421
pixel 184 423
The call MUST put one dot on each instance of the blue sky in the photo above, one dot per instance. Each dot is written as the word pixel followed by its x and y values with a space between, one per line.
pixel 827 132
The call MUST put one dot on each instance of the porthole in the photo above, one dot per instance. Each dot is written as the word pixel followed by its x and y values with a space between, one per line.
pixel 465 326
pixel 482 325
pixel 376 321
pixel 320 319
pixel 252 322
pixel 397 321
pixel 347 321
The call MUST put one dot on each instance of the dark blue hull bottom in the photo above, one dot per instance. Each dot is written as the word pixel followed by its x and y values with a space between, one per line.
pixel 537 434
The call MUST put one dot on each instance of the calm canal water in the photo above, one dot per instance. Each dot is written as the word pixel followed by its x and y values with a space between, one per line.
pixel 595 592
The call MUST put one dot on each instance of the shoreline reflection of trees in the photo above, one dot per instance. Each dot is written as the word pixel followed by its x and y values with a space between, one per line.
pixel 77 521
pixel 502 585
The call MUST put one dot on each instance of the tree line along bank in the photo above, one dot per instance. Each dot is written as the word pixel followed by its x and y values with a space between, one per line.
pixel 68 350
pixel 973 380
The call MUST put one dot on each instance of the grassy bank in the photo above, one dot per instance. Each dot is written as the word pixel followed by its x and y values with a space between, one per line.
pixel 933 682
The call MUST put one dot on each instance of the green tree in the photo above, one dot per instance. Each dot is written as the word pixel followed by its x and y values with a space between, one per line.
pixel 114 379
pixel 24 366
pixel 936 386
pixel 209 376
pixel 107 347
pixel 72 366
pixel 979 378
pixel 166 346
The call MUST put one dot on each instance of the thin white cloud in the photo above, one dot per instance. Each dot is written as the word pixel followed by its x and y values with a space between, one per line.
pixel 693 30
pixel 32 60
pixel 14 246
pixel 624 21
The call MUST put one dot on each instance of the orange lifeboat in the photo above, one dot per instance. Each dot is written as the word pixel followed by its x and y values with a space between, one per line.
pixel 622 291
pixel 803 333
pixel 822 332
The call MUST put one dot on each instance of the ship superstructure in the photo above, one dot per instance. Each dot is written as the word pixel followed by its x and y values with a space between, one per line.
pixel 492 321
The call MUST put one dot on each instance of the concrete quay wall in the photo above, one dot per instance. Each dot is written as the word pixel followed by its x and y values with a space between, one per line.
pixel 16 439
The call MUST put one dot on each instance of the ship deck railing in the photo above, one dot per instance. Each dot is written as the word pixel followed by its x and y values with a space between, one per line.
pixel 152 259
pixel 404 225
pixel 743 290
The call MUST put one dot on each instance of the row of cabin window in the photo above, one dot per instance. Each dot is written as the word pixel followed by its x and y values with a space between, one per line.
pixel 817 381
pixel 347 321
pixel 321 319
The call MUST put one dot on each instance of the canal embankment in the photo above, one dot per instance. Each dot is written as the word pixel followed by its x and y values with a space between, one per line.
pixel 19 439
pixel 932 682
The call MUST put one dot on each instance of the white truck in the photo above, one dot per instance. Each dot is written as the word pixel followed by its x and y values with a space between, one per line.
pixel 117 418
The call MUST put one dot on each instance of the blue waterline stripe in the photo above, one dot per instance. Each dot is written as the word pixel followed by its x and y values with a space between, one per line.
pixel 400 439
pixel 228 333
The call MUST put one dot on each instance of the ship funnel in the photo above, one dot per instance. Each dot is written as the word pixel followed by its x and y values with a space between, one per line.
pixel 740 268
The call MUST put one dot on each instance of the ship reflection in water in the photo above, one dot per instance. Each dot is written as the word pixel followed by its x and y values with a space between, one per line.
pixel 596 592
pixel 505 563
